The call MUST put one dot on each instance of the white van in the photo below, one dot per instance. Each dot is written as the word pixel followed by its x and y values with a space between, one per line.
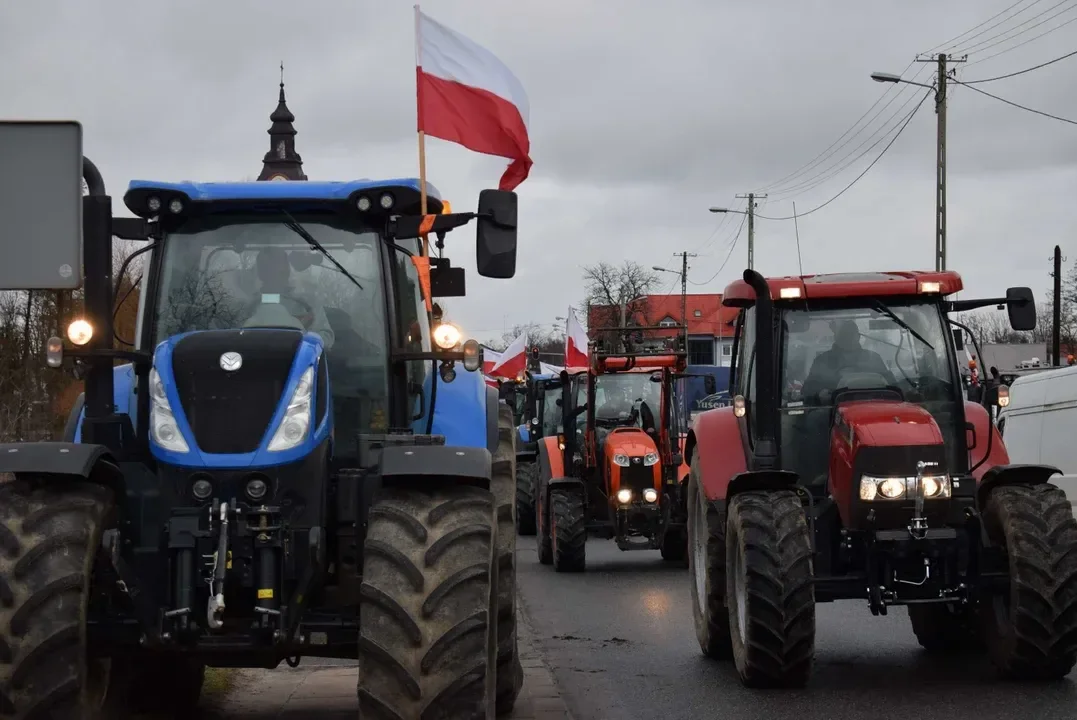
pixel 1040 423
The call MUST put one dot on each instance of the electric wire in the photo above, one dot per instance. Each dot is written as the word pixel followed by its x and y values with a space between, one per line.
pixel 853 156
pixel 728 255
pixel 986 44
pixel 865 171
pixel 952 41
pixel 1017 105
pixel 1022 43
pixel 834 145
pixel 1019 72
pixel 721 223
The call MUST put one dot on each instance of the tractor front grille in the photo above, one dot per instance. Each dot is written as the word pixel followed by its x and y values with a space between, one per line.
pixel 637 477
pixel 229 412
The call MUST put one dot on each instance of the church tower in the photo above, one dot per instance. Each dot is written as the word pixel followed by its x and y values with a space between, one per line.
pixel 282 162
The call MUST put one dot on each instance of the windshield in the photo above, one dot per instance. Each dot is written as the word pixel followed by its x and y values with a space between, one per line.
pixel 891 351
pixel 236 272
pixel 620 397
pixel 551 411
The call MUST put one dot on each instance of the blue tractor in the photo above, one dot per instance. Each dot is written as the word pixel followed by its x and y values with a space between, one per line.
pixel 538 394
pixel 289 463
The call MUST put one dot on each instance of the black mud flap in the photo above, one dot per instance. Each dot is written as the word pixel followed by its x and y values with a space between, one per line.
pixel 761 480
pixel 425 463
pixel 1012 475
pixel 90 462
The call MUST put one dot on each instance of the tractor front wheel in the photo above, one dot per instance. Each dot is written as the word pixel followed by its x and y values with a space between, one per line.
pixel 706 565
pixel 427 626
pixel 769 589
pixel 568 519
pixel 50 533
pixel 525 497
pixel 1031 631
pixel 504 483
pixel 675 546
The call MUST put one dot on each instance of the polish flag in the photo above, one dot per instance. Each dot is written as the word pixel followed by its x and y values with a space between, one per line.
pixel 514 360
pixel 575 342
pixel 490 358
pixel 467 96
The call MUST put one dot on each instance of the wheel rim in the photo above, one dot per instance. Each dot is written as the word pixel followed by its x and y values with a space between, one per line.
pixel 699 550
pixel 740 594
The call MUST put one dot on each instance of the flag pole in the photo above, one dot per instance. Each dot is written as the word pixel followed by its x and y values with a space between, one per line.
pixel 422 135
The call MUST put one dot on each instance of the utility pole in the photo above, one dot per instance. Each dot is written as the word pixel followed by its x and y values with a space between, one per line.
pixel 751 226
pixel 684 294
pixel 943 60
pixel 1056 314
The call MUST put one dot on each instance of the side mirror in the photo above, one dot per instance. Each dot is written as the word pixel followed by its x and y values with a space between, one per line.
pixel 959 339
pixel 1021 307
pixel 710 384
pixel 495 248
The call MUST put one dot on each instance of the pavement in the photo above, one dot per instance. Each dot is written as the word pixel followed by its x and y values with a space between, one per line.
pixel 621 642
pixel 324 689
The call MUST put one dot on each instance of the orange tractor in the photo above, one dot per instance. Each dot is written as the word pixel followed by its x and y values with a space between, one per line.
pixel 612 471
pixel 850 466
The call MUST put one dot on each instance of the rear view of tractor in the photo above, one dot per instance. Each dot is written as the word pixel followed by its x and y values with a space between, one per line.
pixel 850 466
pixel 290 464
pixel 612 472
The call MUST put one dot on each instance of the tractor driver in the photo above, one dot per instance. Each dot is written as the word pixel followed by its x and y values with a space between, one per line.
pixel 280 305
pixel 845 356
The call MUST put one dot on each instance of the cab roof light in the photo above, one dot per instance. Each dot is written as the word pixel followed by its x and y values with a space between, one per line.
pixel 789 293
pixel 930 286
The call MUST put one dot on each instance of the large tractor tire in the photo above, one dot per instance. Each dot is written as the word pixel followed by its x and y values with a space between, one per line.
pixel 510 673
pixel 945 629
pixel 1031 633
pixel 568 521
pixel 543 536
pixel 706 565
pixel 769 589
pixel 50 535
pixel 526 474
pixel 427 635
pixel 675 546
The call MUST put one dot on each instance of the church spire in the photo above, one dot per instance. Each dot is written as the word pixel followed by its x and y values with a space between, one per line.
pixel 282 162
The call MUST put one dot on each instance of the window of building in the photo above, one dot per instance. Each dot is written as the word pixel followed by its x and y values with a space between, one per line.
pixel 667 321
pixel 697 313
pixel 701 351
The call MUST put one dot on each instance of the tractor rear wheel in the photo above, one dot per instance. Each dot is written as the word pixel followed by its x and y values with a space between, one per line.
pixel 706 565
pixel 569 530
pixel 427 625
pixel 543 537
pixel 1031 632
pixel 769 589
pixel 510 673
pixel 945 629
pixel 675 546
pixel 525 497
pixel 50 533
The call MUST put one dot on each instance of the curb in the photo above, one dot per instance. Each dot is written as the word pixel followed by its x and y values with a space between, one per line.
pixel 540 698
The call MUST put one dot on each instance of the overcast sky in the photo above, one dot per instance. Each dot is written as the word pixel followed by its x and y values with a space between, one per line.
pixel 642 115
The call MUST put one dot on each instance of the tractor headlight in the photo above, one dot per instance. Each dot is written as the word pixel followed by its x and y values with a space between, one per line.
pixel 650 459
pixel 295 424
pixel 624 496
pixel 650 495
pixel 932 487
pixel 447 336
pixel 620 459
pixel 163 427
pixel 79 332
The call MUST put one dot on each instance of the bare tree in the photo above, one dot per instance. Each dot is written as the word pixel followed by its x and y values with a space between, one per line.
pixel 616 297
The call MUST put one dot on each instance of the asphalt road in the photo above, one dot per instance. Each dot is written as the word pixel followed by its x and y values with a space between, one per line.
pixel 621 643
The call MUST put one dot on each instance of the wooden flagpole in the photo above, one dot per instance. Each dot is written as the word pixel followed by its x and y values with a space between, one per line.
pixel 422 135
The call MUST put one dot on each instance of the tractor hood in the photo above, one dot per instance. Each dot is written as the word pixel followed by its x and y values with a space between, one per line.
pixel 884 423
pixel 632 442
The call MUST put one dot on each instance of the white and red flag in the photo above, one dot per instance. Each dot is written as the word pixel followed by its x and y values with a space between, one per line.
pixel 469 97
pixel 513 361
pixel 576 342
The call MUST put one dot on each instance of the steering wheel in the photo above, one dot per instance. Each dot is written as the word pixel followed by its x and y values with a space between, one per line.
pixel 308 310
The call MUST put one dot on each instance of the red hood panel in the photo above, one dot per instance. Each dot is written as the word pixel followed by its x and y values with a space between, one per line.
pixel 886 423
pixel 633 442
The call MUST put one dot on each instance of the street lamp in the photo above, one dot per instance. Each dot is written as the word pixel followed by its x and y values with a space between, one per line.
pixel 940 181
pixel 750 212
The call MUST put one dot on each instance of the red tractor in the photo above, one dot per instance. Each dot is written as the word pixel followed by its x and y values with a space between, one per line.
pixel 849 466
pixel 612 472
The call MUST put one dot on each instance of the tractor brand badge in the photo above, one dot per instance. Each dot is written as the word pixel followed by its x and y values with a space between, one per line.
pixel 231 361
pixel 636 460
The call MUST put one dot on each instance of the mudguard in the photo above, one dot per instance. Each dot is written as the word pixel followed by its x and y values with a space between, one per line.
pixel 1001 475
pixel 985 432
pixel 760 480
pixel 715 437
pixel 491 418
pixel 403 463
pixel 90 462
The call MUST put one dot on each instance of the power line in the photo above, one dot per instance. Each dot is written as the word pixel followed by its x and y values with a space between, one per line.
pixel 728 255
pixel 1016 105
pixel 901 129
pixel 1022 43
pixel 1020 72
pixel 714 233
pixel 971 49
pixel 950 43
